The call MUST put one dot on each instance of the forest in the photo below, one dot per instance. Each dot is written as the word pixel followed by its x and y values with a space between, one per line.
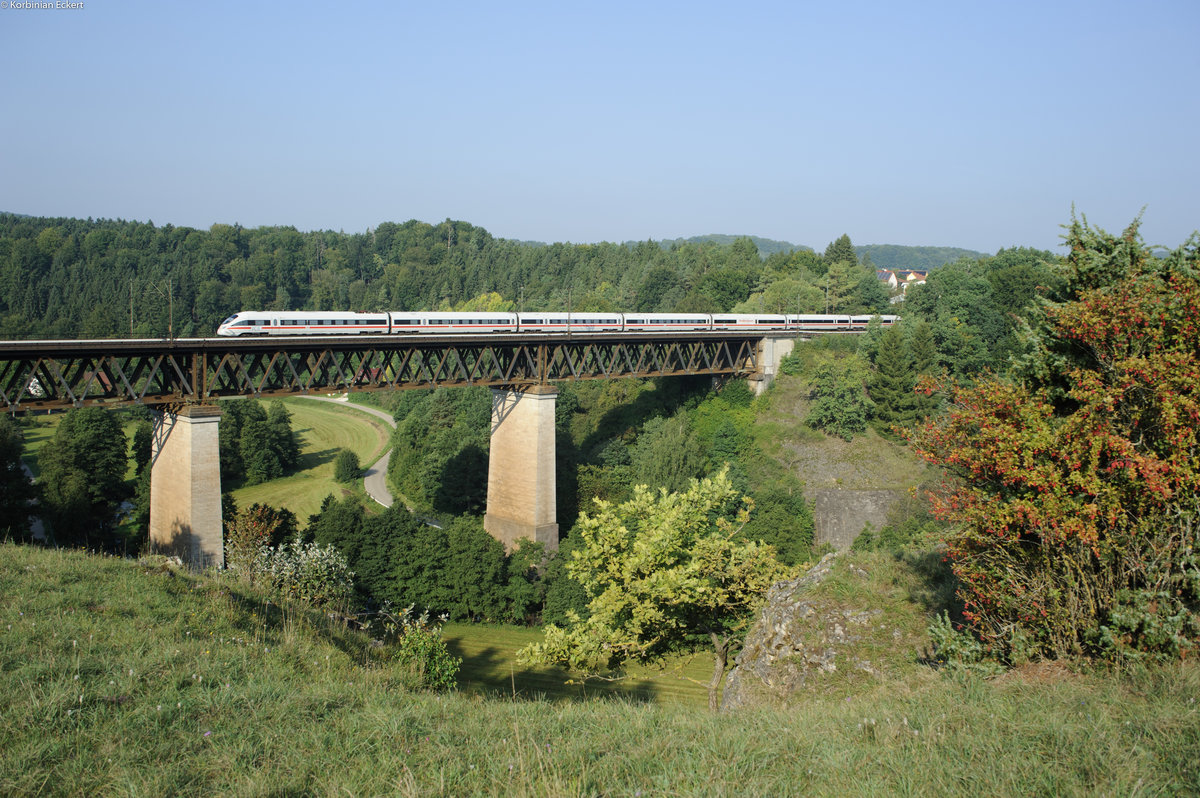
pixel 72 278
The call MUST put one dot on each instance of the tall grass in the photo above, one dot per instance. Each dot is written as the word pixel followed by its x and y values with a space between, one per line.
pixel 128 678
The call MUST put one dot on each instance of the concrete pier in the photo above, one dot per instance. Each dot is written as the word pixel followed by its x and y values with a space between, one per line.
pixel 771 352
pixel 521 483
pixel 185 487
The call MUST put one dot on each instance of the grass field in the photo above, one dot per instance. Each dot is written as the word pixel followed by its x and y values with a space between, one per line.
pixel 123 677
pixel 490 668
pixel 323 428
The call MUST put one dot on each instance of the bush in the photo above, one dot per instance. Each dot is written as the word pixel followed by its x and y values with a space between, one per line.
pixel 420 648
pixel 310 573
pixel 257 526
pixel 1077 476
pixel 840 405
pixel 346 467
pixel 1147 625
pixel 956 649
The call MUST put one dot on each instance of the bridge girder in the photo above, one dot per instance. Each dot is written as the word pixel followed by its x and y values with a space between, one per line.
pixel 61 374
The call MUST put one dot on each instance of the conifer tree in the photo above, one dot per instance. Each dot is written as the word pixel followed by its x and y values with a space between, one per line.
pixel 892 384
pixel 841 251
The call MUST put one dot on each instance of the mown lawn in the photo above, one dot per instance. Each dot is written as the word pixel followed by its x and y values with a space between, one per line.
pixel 323 428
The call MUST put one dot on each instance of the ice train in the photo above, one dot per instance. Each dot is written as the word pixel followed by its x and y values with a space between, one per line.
pixel 312 322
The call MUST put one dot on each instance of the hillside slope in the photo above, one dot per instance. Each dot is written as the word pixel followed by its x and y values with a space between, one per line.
pixel 130 678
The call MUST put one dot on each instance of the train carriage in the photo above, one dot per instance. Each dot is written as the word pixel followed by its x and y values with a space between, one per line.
pixel 463 322
pixel 733 321
pixel 667 322
pixel 539 321
pixel 308 322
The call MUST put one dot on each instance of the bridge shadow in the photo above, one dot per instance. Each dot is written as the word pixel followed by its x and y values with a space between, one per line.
pixel 462 485
pixel 491 672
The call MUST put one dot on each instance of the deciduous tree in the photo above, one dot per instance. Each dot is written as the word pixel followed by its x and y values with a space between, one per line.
pixel 664 573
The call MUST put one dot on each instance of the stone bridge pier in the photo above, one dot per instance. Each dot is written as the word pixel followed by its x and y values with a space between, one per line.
pixel 185 487
pixel 521 482
pixel 771 352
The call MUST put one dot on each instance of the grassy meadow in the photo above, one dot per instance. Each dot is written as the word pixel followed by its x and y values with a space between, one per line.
pixel 322 428
pixel 122 677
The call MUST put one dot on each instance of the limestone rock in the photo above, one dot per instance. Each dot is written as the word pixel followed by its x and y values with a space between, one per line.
pixel 795 638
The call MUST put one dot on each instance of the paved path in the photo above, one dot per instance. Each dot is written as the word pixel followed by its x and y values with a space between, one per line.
pixel 375 480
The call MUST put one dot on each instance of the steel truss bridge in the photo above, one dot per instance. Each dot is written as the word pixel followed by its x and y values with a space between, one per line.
pixel 50 375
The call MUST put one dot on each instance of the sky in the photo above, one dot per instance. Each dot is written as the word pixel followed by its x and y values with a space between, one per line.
pixel 965 124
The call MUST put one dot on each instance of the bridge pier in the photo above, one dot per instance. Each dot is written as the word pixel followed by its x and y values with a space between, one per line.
pixel 185 487
pixel 771 352
pixel 521 483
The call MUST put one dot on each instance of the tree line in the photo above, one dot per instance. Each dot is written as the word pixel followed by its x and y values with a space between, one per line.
pixel 74 278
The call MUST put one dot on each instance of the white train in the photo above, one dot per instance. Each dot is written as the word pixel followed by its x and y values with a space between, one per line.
pixel 313 322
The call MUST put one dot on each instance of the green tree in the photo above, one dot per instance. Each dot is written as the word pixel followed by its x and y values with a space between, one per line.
pixel 260 456
pixel 868 342
pixel 959 303
pixel 841 251
pixel 783 519
pixel 283 439
pixel 345 466
pixel 16 489
pixel 142 446
pixel 923 348
pixel 667 454
pixel 564 595
pixel 894 380
pixel 660 282
pixel 664 573
pixel 840 404
pixel 840 285
pixel 83 477
pixel 235 415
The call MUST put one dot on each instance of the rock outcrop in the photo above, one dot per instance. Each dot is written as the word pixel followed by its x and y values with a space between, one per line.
pixel 800 635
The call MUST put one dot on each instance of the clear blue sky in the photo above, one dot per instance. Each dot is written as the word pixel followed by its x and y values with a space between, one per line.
pixel 939 123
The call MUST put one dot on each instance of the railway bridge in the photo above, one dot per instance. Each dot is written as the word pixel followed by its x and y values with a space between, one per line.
pixel 183 379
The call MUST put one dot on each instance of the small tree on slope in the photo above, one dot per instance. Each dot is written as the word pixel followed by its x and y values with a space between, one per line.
pixel 665 573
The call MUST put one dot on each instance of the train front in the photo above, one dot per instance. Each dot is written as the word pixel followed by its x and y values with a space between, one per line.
pixel 231 326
